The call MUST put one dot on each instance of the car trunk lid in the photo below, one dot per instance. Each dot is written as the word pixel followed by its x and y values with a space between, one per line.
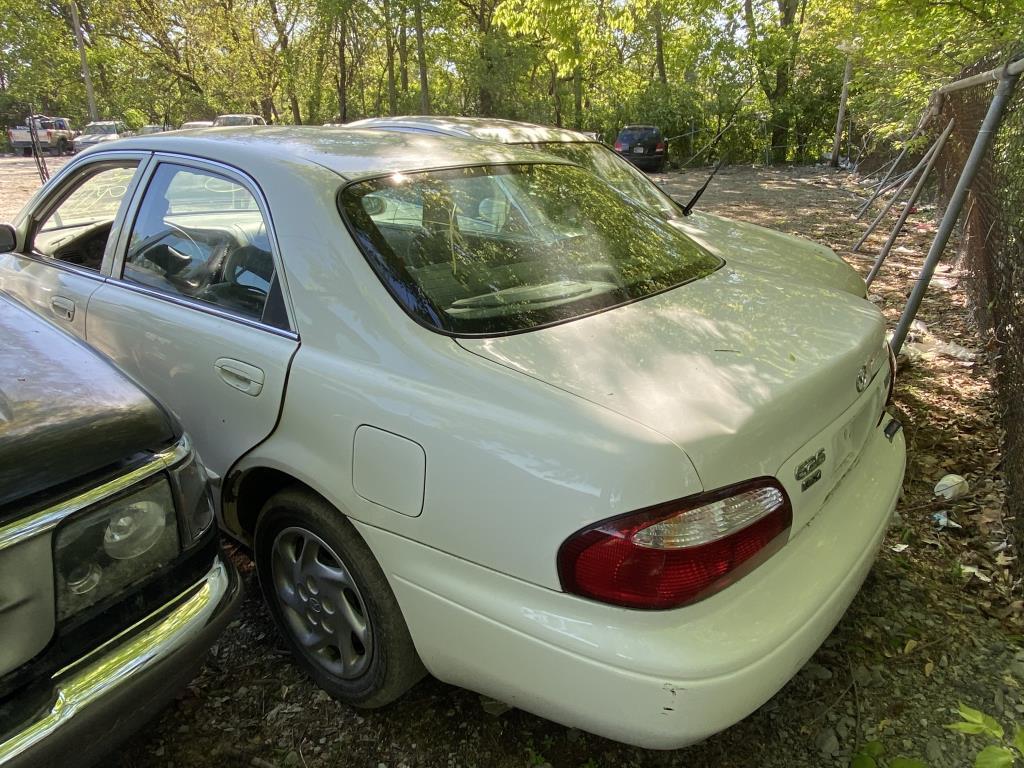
pixel 745 373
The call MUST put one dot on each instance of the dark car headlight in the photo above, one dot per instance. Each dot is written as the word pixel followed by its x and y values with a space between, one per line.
pixel 114 545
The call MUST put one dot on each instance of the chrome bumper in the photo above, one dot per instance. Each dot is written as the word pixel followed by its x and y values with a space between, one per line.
pixel 104 697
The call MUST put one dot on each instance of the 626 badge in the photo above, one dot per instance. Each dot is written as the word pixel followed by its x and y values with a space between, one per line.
pixel 809 471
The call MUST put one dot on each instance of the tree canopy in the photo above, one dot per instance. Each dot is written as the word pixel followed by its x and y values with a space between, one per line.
pixel 770 69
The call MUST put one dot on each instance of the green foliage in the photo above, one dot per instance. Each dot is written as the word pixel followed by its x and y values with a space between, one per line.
pixel 871 754
pixel 975 722
pixel 770 70
pixel 134 118
pixel 995 755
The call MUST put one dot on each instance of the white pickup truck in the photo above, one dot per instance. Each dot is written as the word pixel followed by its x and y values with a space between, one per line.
pixel 55 134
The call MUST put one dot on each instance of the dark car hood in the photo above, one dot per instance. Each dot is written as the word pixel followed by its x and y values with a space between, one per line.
pixel 66 414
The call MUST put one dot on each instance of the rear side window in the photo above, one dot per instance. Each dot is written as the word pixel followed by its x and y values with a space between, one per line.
pixel 201 236
pixel 500 249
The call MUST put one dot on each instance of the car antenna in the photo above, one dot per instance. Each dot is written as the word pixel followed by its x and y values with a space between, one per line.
pixel 688 208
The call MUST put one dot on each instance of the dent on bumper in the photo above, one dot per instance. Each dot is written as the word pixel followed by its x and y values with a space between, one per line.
pixel 660 679
pixel 114 689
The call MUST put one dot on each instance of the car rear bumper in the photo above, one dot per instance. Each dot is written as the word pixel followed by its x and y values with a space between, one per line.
pixel 103 698
pixel 647 162
pixel 657 679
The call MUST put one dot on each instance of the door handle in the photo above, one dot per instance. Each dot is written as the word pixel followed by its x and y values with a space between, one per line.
pixel 63 308
pixel 242 376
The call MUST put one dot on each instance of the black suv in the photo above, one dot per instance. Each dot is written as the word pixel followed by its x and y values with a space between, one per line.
pixel 112 585
pixel 644 146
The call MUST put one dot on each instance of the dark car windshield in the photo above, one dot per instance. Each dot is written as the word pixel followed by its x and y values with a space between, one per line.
pixel 506 248
pixel 233 120
pixel 94 129
pixel 619 173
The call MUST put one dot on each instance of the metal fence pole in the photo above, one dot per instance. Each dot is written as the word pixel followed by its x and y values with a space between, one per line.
pixel 996 108
pixel 937 149
pixel 896 196
pixel 899 159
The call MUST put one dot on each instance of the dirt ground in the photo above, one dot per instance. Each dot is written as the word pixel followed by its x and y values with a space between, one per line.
pixel 18 180
pixel 936 623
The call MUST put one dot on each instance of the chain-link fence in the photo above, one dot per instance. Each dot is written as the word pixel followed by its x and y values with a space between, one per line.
pixel 992 250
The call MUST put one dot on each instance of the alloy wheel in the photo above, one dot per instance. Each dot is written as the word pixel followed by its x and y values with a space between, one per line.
pixel 321 603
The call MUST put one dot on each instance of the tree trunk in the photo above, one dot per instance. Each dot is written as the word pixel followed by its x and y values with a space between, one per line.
pixel 421 59
pixel 389 50
pixel 837 142
pixel 403 56
pixel 342 69
pixel 556 97
pixel 487 70
pixel 775 73
pixel 659 44
pixel 577 95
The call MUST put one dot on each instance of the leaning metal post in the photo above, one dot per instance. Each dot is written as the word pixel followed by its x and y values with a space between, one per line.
pixel 899 159
pixel 982 142
pixel 936 151
pixel 925 159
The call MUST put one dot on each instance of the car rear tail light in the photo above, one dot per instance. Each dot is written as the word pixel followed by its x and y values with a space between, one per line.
pixel 618 146
pixel 677 553
pixel 660 147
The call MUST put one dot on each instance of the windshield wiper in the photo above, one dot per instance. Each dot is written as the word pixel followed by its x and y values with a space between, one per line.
pixel 688 208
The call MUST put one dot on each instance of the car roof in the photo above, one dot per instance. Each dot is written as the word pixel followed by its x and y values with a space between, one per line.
pixel 349 152
pixel 104 122
pixel 240 114
pixel 644 127
pixel 488 128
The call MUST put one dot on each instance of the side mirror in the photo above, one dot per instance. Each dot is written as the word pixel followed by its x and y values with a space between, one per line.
pixel 8 238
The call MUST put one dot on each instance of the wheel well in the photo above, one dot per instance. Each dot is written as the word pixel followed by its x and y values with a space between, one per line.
pixel 252 491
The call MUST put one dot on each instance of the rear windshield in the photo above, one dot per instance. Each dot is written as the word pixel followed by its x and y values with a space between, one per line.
pixel 630 135
pixel 500 249
pixel 619 173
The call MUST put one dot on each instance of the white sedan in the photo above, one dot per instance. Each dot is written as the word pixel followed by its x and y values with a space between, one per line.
pixel 477 413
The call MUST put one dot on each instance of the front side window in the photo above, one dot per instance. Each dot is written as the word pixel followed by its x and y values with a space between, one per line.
pixel 77 230
pixel 619 173
pixel 202 236
pixel 506 248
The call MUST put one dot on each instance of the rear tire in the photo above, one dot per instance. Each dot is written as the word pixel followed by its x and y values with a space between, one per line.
pixel 26 151
pixel 331 601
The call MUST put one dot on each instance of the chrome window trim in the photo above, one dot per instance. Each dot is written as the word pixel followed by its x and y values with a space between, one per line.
pixel 210 309
pixel 237 175
pixel 49 518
